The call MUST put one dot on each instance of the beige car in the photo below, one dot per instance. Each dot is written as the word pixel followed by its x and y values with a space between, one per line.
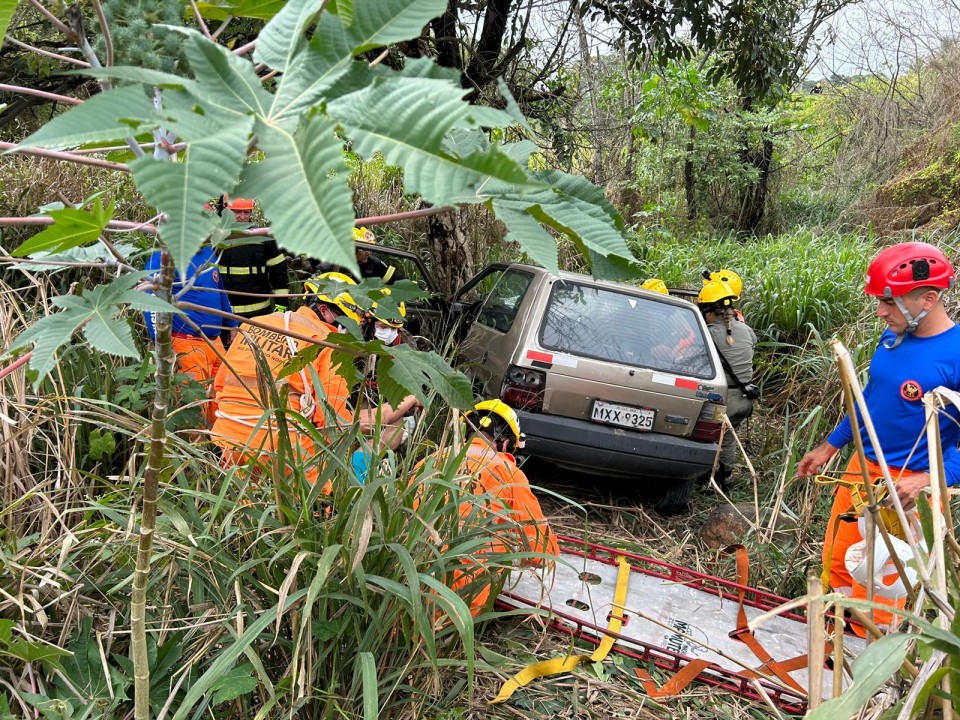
pixel 608 379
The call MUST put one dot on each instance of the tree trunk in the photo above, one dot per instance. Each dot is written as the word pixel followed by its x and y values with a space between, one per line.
pixel 688 180
pixel 753 206
pixel 586 77
pixel 449 250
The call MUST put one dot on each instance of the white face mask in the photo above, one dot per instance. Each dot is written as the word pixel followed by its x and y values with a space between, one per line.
pixel 386 335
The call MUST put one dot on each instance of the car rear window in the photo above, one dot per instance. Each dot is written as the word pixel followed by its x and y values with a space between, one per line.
pixel 620 327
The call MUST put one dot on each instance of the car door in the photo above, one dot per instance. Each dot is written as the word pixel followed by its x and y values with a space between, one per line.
pixel 429 318
pixel 490 304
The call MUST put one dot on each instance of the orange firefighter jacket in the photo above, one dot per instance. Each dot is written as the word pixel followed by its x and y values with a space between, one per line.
pixel 240 407
pixel 497 474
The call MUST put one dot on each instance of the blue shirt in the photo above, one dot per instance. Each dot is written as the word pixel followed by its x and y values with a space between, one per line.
pixel 206 289
pixel 898 380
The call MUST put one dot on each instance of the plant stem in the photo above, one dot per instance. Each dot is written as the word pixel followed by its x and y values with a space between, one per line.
pixel 68 156
pixel 40 93
pixel 156 466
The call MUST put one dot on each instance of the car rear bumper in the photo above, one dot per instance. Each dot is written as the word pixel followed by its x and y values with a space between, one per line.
pixel 604 450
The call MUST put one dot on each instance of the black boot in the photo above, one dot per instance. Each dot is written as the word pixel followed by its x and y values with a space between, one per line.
pixel 723 478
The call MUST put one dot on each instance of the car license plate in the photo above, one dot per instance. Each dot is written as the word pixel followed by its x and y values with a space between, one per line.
pixel 623 415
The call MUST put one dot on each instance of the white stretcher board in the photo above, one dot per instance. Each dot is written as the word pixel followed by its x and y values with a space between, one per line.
pixel 692 622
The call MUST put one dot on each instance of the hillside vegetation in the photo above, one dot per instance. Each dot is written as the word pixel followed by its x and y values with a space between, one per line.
pixel 139 579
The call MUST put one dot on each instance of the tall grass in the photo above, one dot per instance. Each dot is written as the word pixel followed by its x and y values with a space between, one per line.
pixel 264 599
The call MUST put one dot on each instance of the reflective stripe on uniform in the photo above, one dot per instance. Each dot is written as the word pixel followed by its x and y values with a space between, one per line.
pixel 240 309
pixel 276 260
pixel 230 270
pixel 389 273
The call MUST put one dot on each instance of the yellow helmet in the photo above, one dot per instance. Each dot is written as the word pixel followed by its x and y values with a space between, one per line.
pixel 655 285
pixel 391 319
pixel 362 234
pixel 716 292
pixel 727 276
pixel 343 300
pixel 488 408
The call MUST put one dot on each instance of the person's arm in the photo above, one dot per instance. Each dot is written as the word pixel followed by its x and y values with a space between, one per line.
pixel 811 463
pixel 276 263
pixel 227 323
pixel 389 415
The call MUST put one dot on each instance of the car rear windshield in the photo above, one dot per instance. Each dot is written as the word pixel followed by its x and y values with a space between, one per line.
pixel 629 329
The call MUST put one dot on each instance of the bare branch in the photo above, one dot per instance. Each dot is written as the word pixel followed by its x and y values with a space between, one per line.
pixel 68 156
pixel 203 25
pixel 105 29
pixel 57 22
pixel 41 93
pixel 47 53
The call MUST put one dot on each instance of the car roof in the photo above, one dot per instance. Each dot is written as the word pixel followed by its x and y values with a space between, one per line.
pixel 605 284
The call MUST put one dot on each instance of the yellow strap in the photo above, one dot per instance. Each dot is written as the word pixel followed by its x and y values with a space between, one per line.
pixel 240 309
pixel 566 664
pixel 233 270
pixel 858 495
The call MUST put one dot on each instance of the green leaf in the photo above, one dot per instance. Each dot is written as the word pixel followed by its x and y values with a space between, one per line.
pixel 283 35
pixel 70 229
pixel 405 371
pixel 96 310
pixel 102 443
pixel 326 68
pixel 228 656
pixel 378 23
pixel 223 79
pixel 144 76
pixel 233 684
pixel 258 9
pixel 48 334
pixel 407 120
pixel 371 698
pixel 871 670
pixel 211 164
pixel 524 230
pixel 302 187
pixel 513 110
pixel 578 188
pixel 7 8
pixel 111 115
pixel 33 652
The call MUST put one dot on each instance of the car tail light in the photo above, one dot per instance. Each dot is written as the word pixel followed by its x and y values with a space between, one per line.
pixel 522 388
pixel 708 425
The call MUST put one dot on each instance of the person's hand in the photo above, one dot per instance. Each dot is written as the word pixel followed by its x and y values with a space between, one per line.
pixel 811 463
pixel 412 404
pixel 909 487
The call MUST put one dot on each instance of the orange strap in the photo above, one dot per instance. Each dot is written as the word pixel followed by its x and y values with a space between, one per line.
pixel 744 634
pixel 675 685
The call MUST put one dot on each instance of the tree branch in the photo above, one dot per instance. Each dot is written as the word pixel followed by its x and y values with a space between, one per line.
pixel 67 156
pixel 41 93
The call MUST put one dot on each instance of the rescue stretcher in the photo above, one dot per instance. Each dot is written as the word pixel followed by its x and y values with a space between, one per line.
pixel 674 618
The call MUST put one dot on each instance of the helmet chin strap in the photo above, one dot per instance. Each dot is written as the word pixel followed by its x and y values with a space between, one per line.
pixel 913 323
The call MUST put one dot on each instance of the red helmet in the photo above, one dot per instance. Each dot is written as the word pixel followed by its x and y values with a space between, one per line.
pixel 238 203
pixel 908 266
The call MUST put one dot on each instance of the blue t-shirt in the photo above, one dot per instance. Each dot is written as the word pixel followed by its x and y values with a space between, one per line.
pixel 206 289
pixel 898 380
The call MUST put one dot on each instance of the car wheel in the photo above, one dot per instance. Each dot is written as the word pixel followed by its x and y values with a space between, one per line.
pixel 676 497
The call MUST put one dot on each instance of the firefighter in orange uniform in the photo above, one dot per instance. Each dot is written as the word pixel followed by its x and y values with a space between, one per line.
pixel 245 425
pixel 505 492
